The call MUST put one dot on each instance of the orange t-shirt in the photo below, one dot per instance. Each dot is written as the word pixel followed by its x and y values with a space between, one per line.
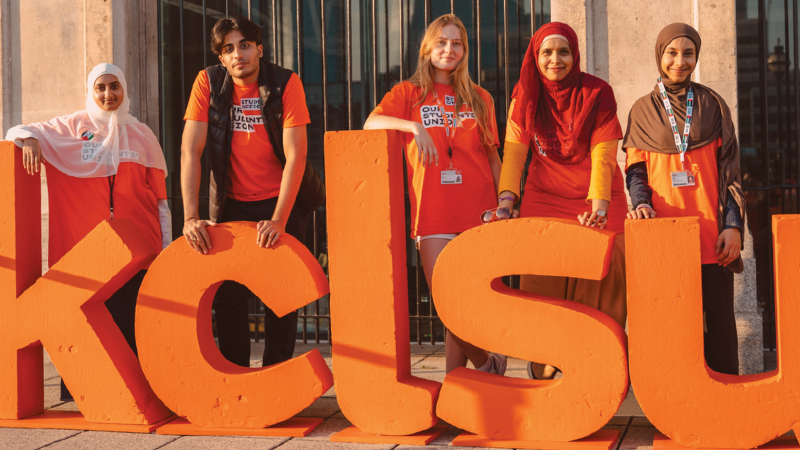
pixel 255 171
pixel 77 205
pixel 558 190
pixel 700 200
pixel 438 208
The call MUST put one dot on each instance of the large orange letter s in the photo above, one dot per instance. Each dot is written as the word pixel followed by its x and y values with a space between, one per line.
pixel 64 310
pixel 587 345
pixel 681 396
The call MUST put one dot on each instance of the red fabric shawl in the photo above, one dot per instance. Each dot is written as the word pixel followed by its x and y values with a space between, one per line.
pixel 571 115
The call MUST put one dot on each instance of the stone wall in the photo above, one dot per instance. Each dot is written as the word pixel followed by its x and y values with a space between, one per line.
pixel 617 40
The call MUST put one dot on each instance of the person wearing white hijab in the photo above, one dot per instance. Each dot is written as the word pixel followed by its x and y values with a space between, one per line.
pixel 102 164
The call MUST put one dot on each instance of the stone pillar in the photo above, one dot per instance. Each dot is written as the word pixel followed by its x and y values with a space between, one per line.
pixel 617 40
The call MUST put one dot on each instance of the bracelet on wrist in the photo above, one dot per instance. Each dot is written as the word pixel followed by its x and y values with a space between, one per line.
pixel 505 198
pixel 190 218
pixel 644 205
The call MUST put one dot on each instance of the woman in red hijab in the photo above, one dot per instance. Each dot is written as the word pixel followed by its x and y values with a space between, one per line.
pixel 569 119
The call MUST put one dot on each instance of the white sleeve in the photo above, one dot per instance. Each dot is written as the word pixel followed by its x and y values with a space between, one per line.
pixel 18 133
pixel 165 219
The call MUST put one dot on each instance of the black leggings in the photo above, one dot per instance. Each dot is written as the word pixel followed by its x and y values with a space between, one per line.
pixel 231 300
pixel 721 341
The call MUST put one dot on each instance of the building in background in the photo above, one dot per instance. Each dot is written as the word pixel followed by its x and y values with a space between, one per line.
pixel 349 53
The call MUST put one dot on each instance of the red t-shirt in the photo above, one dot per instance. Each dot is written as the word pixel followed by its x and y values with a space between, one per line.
pixel 77 205
pixel 558 190
pixel 700 200
pixel 438 208
pixel 255 171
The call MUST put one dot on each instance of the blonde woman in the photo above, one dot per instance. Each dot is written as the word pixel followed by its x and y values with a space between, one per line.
pixel 453 165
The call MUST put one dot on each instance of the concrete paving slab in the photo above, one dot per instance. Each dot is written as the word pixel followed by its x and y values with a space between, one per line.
pixel 618 420
pixel 31 439
pixel 68 406
pixel 324 407
pixel 638 438
pixel 99 440
pixel 641 422
pixel 328 428
pixel 447 437
pixel 225 443
pixel 49 369
pixel 313 444
pixel 52 392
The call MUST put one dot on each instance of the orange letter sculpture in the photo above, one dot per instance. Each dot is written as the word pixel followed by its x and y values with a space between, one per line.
pixel 64 311
pixel 367 245
pixel 173 330
pixel 681 396
pixel 587 345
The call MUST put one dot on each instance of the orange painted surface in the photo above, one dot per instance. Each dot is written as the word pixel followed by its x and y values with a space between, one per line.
pixel 173 329
pixel 369 285
pixel 353 434
pixel 587 345
pixel 661 442
pixel 64 311
pixel 73 420
pixel 601 440
pixel 683 398
pixel 294 427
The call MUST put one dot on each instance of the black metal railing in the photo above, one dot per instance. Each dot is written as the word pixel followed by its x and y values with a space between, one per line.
pixel 348 54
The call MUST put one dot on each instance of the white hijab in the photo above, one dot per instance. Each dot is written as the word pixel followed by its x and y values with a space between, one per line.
pixel 117 136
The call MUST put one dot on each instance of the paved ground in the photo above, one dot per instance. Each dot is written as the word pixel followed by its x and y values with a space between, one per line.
pixel 427 362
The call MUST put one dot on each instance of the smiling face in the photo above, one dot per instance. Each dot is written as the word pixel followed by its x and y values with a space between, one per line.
pixel 448 50
pixel 555 59
pixel 108 93
pixel 241 57
pixel 679 59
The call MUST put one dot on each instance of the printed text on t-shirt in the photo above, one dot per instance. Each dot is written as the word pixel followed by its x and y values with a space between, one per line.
pixel 245 123
pixel 431 116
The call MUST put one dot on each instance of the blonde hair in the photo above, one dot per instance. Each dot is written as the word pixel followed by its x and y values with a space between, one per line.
pixel 466 90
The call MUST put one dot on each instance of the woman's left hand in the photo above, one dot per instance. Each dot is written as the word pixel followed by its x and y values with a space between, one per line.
pixel 269 231
pixel 729 243
pixel 593 219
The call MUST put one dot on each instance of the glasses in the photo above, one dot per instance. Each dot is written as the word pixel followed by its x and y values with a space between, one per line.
pixel 495 214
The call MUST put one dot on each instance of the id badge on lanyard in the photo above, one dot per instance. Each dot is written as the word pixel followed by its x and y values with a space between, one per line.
pixel 451 175
pixel 683 177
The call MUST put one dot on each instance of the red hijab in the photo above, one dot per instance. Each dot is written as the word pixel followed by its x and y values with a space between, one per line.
pixel 571 115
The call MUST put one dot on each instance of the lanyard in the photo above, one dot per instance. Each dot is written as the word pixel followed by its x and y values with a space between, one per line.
pixel 681 145
pixel 111 181
pixel 446 127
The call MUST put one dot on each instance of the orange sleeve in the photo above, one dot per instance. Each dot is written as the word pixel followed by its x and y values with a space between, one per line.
pixel 396 103
pixel 514 131
pixel 633 156
pixel 157 182
pixel 197 109
pixel 295 110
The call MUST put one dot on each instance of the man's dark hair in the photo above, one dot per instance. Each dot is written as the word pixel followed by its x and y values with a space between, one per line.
pixel 250 31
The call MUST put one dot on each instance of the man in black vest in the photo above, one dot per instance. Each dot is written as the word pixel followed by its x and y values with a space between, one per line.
pixel 252 117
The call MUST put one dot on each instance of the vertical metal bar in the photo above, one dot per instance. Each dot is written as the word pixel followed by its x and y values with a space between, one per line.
pixel 374 54
pixel 419 295
pixel 249 11
pixel 183 68
pixel 498 50
pixel 227 14
pixel 274 33
pixel 205 37
pixel 349 27
pixel 386 35
pixel 505 51
pixel 427 13
pixel 520 10
pixel 452 6
pixel 324 44
pixel 300 68
pixel 478 41
pixel 541 12
pixel 280 33
pixel 795 41
pixel 533 17
pixel 402 44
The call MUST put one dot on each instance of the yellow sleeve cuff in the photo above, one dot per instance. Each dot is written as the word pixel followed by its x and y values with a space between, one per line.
pixel 514 155
pixel 604 161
